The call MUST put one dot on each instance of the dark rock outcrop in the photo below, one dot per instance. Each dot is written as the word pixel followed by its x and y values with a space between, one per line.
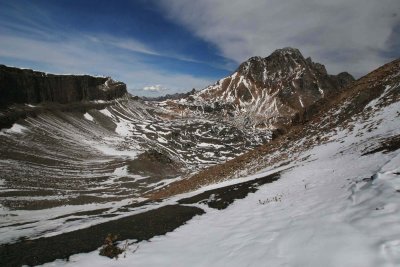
pixel 28 86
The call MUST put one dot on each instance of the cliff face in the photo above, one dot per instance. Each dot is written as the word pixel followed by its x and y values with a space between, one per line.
pixel 28 86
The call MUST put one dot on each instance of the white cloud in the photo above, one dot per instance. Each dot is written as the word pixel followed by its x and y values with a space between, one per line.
pixel 156 88
pixel 170 82
pixel 343 34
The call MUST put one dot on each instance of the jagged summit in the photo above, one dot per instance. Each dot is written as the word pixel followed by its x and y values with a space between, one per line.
pixel 287 51
pixel 283 62
pixel 273 91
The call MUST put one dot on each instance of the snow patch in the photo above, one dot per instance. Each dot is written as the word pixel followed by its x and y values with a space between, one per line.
pixel 16 128
pixel 112 151
pixel 88 117
pixel 123 128
pixel 121 171
pixel 106 112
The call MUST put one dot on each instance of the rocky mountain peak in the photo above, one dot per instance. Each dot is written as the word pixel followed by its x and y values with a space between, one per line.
pixel 272 91
pixel 287 52
pixel 282 63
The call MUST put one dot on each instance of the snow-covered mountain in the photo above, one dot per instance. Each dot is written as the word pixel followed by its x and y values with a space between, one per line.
pixel 319 193
pixel 270 92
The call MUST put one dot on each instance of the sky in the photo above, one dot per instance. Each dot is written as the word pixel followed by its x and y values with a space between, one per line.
pixel 160 47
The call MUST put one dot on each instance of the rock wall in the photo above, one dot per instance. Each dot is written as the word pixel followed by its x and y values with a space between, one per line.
pixel 28 86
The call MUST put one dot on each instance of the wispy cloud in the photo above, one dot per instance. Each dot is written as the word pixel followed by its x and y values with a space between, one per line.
pixel 83 55
pixel 129 44
pixel 136 46
pixel 351 35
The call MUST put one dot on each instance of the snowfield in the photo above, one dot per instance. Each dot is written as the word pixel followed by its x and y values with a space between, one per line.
pixel 334 207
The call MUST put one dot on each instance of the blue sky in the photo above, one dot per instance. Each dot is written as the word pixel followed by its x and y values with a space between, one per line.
pixel 129 40
pixel 167 46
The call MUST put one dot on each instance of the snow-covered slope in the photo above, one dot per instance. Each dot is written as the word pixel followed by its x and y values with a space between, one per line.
pixel 72 169
pixel 337 201
pixel 337 205
pixel 270 92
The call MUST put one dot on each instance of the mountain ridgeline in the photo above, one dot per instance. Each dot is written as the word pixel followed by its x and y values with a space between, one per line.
pixel 24 86
pixel 270 92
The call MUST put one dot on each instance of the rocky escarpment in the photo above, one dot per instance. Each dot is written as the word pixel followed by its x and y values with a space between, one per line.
pixel 270 92
pixel 28 86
